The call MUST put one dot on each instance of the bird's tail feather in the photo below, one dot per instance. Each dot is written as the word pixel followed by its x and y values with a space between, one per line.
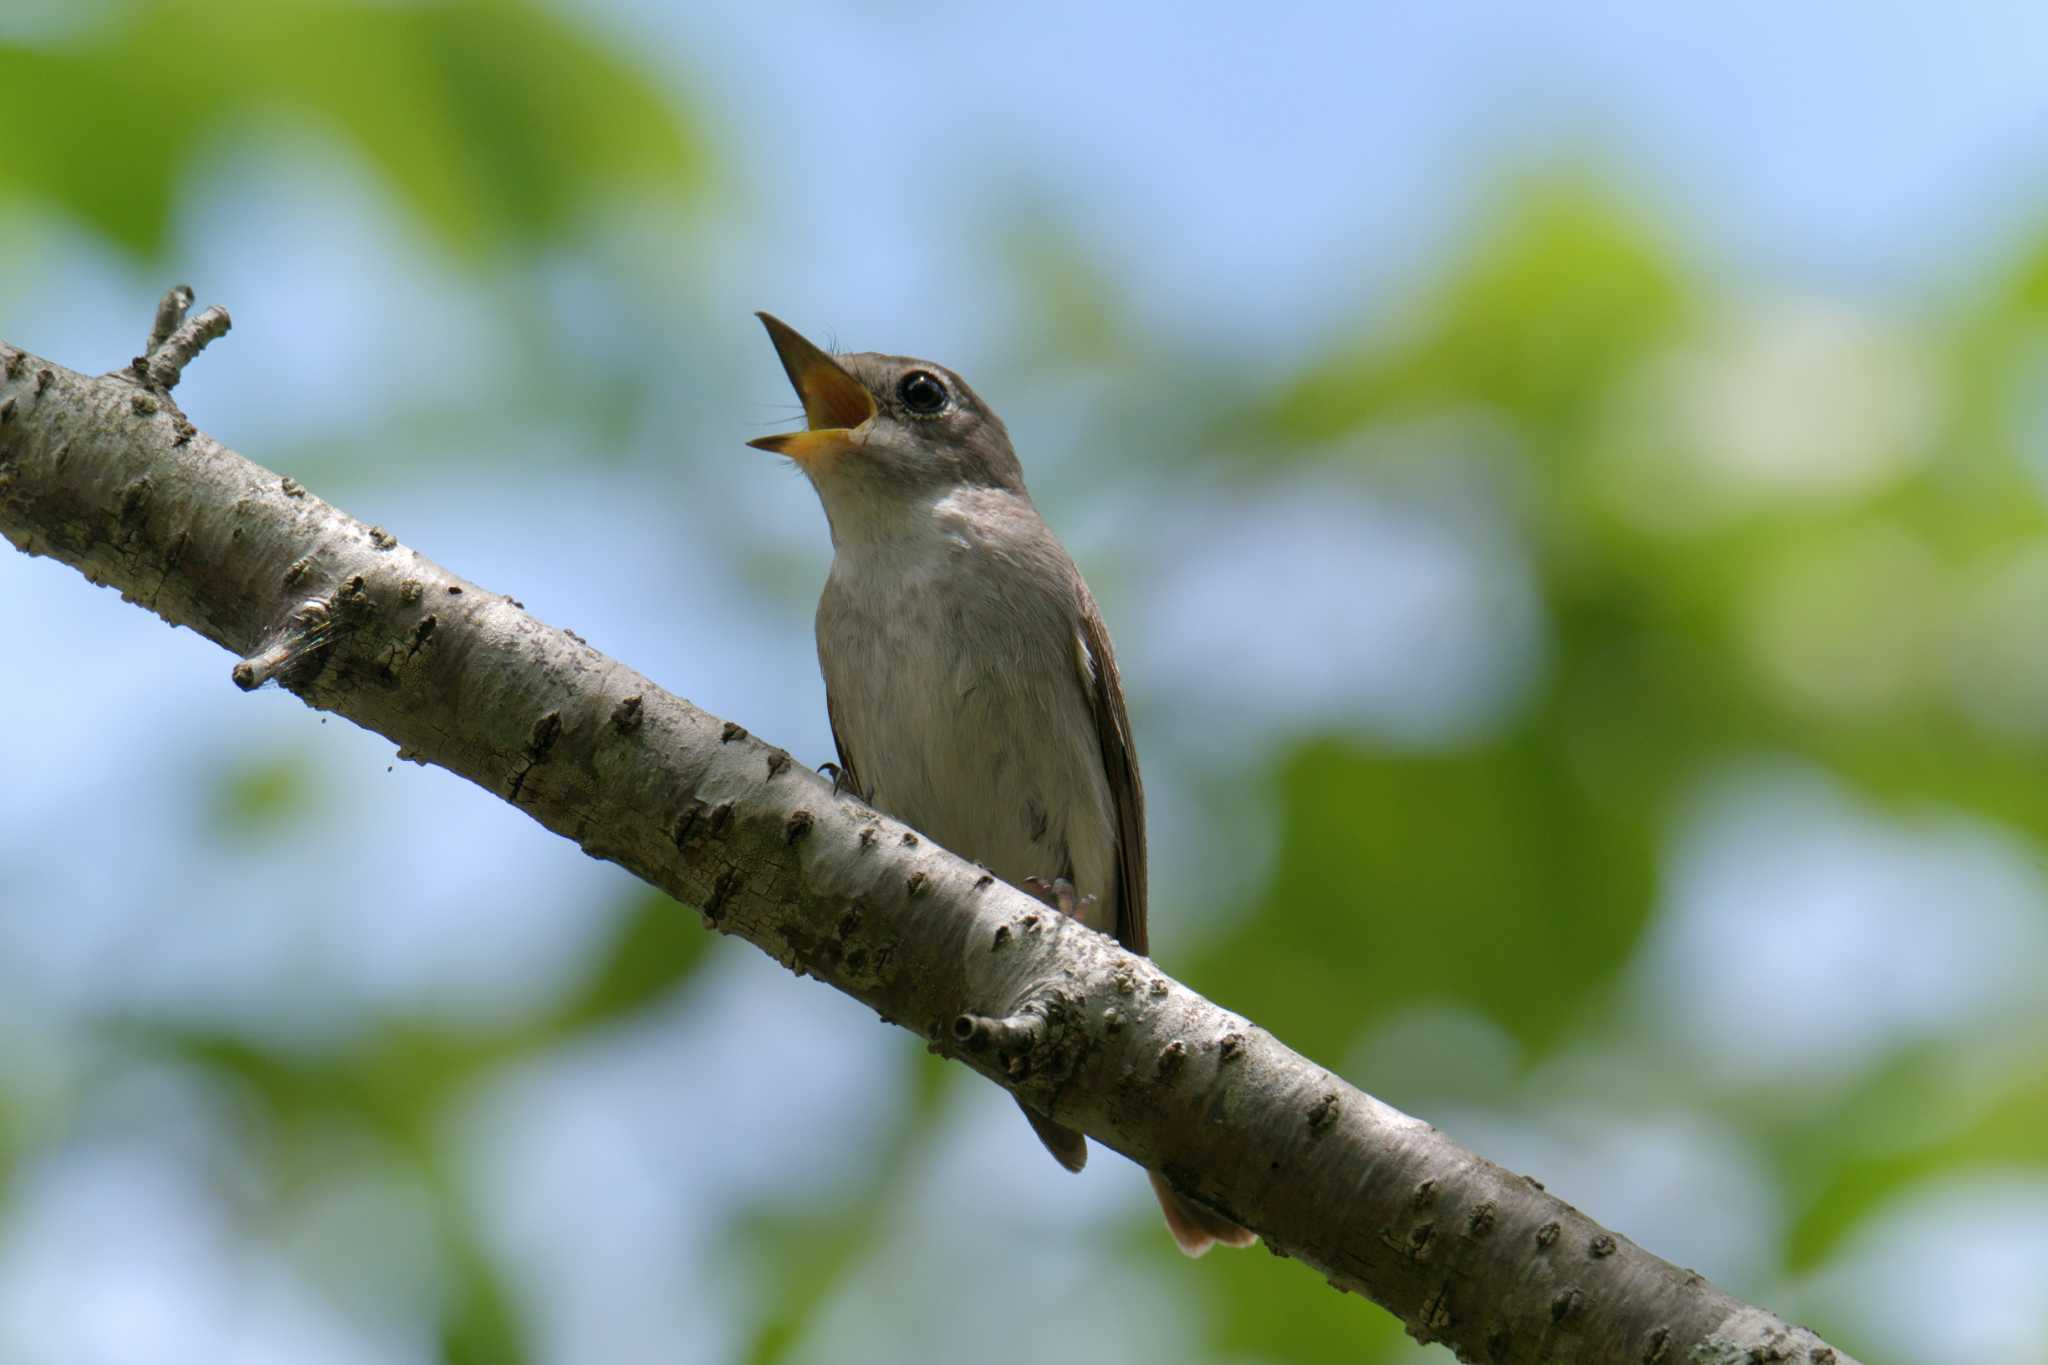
pixel 1068 1147
pixel 1195 1229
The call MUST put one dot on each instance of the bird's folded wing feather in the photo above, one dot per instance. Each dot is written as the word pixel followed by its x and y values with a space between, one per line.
pixel 1120 764
pixel 849 775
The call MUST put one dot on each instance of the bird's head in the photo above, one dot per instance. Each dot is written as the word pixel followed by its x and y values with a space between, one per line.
pixel 882 429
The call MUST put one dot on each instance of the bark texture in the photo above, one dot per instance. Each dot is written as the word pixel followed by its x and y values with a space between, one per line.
pixel 107 475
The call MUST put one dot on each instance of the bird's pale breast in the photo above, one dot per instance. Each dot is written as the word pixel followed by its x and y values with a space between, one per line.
pixel 999 761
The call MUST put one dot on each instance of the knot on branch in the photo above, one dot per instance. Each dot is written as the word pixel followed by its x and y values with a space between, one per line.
pixel 175 339
pixel 1019 1032
pixel 1024 1043
pixel 288 649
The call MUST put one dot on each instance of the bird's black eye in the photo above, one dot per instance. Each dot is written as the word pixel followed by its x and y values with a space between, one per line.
pixel 921 392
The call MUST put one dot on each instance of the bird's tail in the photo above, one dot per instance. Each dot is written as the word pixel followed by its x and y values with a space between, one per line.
pixel 1068 1147
pixel 1194 1228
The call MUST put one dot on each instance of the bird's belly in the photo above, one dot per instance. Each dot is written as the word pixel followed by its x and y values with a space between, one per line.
pixel 952 761
pixel 991 751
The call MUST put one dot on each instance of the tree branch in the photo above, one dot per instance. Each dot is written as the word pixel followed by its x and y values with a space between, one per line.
pixel 107 475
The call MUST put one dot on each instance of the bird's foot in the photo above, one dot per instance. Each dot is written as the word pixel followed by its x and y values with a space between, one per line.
pixel 1059 894
pixel 841 783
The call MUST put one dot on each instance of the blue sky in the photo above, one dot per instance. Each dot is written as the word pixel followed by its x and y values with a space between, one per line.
pixel 1262 167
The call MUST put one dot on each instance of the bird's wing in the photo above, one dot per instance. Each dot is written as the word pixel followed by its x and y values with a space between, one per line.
pixel 1120 764
pixel 849 776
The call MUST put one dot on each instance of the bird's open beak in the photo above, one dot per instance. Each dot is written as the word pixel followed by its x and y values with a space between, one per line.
pixel 835 403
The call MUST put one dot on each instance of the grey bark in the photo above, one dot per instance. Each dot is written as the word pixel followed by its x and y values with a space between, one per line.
pixel 107 475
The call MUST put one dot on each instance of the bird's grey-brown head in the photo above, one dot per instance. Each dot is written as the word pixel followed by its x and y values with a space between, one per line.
pixel 884 428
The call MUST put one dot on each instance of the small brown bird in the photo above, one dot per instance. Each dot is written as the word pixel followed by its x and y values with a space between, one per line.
pixel 968 676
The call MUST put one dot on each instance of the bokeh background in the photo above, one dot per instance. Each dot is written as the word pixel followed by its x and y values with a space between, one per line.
pixel 1566 483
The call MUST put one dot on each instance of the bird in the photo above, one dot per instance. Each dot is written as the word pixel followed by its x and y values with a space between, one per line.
pixel 969 679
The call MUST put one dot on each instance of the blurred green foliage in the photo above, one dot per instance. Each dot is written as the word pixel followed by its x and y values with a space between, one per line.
pixel 495 120
pixel 1700 608
pixel 396 1088
pixel 1586 290
pixel 1845 622
pixel 807 1254
pixel 257 795
pixel 1500 852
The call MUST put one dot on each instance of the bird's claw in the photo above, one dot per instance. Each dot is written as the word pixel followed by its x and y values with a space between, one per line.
pixel 1059 894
